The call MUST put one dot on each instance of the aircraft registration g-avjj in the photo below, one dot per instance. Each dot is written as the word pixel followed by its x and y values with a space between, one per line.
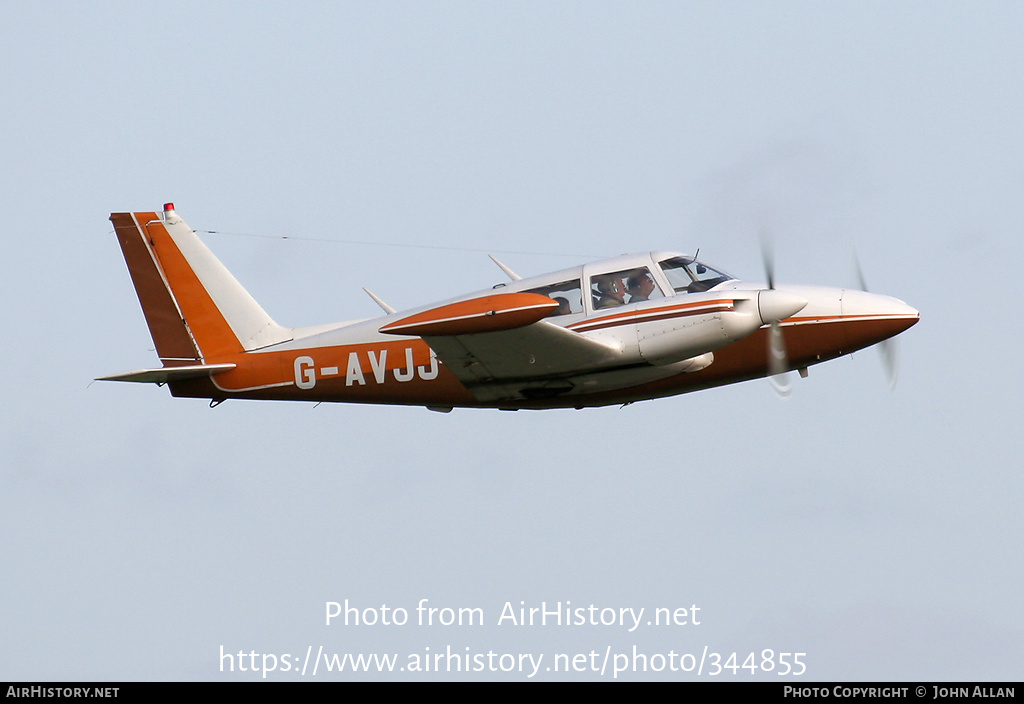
pixel 615 331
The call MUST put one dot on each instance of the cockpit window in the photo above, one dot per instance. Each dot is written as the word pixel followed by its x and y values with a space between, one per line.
pixel 567 294
pixel 691 276
pixel 640 285
pixel 622 287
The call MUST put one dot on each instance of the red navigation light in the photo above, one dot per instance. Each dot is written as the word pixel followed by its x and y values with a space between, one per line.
pixel 168 206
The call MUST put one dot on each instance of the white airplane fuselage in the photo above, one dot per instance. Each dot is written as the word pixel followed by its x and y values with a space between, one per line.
pixel 616 331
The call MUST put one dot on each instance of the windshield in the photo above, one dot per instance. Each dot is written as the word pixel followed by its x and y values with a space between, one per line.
pixel 691 276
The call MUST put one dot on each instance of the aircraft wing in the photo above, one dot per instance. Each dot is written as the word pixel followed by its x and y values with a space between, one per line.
pixel 500 346
pixel 501 364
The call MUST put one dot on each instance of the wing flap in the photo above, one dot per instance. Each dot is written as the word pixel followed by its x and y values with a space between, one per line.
pixel 498 365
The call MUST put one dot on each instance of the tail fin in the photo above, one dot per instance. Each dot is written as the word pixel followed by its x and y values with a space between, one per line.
pixel 196 310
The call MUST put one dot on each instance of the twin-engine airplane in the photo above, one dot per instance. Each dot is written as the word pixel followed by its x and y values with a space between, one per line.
pixel 616 331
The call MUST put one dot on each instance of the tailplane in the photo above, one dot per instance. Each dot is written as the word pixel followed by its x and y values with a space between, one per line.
pixel 196 310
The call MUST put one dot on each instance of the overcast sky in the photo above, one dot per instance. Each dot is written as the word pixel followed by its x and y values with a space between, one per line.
pixel 877 532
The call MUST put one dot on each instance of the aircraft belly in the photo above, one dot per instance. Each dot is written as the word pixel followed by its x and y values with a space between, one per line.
pixel 616 379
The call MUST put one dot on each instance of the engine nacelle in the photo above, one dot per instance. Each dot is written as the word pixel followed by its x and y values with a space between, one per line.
pixel 670 334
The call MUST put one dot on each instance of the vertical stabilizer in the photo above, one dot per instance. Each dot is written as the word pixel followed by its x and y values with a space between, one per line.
pixel 196 310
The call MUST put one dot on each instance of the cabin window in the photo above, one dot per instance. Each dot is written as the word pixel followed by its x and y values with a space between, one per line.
pixel 567 294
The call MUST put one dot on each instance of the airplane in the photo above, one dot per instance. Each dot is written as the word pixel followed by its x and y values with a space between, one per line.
pixel 610 332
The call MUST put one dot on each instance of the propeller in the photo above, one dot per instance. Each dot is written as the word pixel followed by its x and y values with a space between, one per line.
pixel 778 360
pixel 887 348
pixel 768 258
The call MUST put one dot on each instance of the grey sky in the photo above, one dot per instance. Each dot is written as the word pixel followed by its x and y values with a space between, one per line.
pixel 878 533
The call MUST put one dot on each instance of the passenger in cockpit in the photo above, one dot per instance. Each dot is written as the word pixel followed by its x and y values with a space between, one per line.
pixel 640 286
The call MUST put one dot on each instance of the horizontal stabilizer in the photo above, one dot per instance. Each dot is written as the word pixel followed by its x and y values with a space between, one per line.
pixel 502 311
pixel 165 374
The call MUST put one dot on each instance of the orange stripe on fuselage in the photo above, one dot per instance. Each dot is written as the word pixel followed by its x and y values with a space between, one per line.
pixel 398 372
pixel 211 331
pixel 271 375
pixel 652 314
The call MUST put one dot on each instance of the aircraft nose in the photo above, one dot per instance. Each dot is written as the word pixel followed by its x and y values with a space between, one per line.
pixel 862 303
pixel 775 306
pixel 874 317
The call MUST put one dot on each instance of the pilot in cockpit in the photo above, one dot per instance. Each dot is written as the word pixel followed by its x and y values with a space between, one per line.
pixel 611 292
